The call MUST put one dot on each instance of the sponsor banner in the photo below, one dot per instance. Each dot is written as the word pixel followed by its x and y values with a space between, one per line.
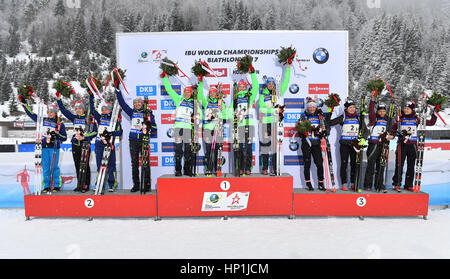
pixel 167 104
pixel 219 73
pixel 298 103
pixel 168 147
pixel 291 117
pixel 223 201
pixel 168 161
pixel 318 89
pixel 146 90
pixel 167 119
pixel 290 132
pixel 176 88
pixel 153 161
pixel 153 147
pixel 293 160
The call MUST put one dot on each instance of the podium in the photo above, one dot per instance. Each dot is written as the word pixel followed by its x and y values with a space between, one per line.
pixel 254 195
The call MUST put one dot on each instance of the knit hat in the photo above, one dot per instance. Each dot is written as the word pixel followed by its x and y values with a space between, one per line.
pixel 312 103
pixel 80 105
pixel 213 89
pixel 53 108
pixel 269 80
pixel 138 99
pixel 381 106
pixel 106 105
pixel 349 103
pixel 411 105
pixel 242 82
pixel 188 89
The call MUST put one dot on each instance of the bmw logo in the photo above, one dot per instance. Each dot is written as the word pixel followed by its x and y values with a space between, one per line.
pixel 293 146
pixel 170 133
pixel 144 54
pixel 321 56
pixel 294 88
pixel 214 198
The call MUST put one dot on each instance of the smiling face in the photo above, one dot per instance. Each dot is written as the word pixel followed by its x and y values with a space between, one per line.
pixel 213 94
pixel 187 94
pixel 271 86
pixel 312 109
pixel 79 111
pixel 51 114
pixel 137 105
pixel 407 110
pixel 105 110
pixel 382 113
pixel 351 109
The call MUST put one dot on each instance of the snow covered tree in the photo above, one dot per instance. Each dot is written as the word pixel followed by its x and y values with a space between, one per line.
pixel 59 10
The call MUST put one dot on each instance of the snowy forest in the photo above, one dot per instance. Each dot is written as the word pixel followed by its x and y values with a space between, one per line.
pixel 405 42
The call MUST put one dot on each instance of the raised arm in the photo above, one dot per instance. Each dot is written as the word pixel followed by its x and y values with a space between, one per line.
pixel 94 112
pixel 175 97
pixel 64 111
pixel 286 80
pixel 126 108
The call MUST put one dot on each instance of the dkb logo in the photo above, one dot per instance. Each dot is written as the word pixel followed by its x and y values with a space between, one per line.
pixel 73 4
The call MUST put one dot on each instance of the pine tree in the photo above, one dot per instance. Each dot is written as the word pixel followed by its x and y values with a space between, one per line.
pixel 79 39
pixel 93 34
pixel 59 10
pixel 30 13
pixel 106 37
pixel 13 47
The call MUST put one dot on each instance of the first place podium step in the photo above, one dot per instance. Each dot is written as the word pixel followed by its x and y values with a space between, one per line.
pixel 253 195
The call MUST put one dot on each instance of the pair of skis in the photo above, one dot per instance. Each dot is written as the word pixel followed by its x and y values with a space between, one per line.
pixel 38 150
pixel 420 144
pixel 218 133
pixel 384 157
pixel 145 159
pixel 277 128
pixel 360 152
pixel 108 149
pixel 83 184
pixel 326 154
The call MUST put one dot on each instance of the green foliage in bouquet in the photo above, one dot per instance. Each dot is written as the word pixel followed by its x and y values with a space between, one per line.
pixel 375 85
pixel 169 70
pixel 64 88
pixel 244 64
pixel 333 100
pixel 286 54
pixel 303 126
pixel 198 69
pixel 437 100
pixel 25 91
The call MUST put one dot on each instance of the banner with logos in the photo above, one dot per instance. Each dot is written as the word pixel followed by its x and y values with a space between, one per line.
pixel 320 67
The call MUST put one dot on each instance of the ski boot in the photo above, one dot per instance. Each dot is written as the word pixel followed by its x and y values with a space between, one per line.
pixel 321 186
pixel 265 172
pixel 344 188
pixel 397 188
pixel 135 189
pixel 309 186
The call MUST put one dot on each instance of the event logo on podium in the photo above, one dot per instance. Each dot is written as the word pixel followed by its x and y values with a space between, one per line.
pixel 221 201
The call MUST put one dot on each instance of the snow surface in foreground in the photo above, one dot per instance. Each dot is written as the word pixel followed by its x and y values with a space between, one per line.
pixel 236 238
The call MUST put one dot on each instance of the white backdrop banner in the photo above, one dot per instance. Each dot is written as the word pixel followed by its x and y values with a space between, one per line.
pixel 320 68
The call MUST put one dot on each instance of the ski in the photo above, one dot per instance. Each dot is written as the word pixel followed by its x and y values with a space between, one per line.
pixel 83 185
pixel 384 157
pixel 38 149
pixel 145 155
pixel 420 145
pixel 107 150
pixel 329 159
pixel 236 147
pixel 360 149
pixel 219 126
pixel 194 136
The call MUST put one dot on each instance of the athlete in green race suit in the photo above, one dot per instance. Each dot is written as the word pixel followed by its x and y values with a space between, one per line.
pixel 246 122
pixel 269 110
pixel 211 107
pixel 183 127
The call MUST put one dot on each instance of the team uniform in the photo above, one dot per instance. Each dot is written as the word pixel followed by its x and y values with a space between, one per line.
pixel 268 109
pixel 378 126
pixel 350 131
pixel 407 146
pixel 79 122
pixel 135 138
pixel 245 113
pixel 210 122
pixel 51 126
pixel 102 123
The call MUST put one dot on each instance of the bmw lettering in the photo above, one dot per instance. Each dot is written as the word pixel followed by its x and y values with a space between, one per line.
pixel 291 117
pixel 294 103
pixel 146 90
pixel 321 56
pixel 167 104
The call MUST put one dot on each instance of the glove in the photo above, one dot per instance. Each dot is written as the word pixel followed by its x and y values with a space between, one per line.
pixel 251 69
pixel 330 109
pixel 116 83
pixel 163 75
pixel 200 78
pixel 289 61
pixel 362 142
pixel 58 95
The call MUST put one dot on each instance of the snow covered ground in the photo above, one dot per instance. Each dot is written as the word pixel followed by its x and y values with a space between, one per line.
pixel 236 238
